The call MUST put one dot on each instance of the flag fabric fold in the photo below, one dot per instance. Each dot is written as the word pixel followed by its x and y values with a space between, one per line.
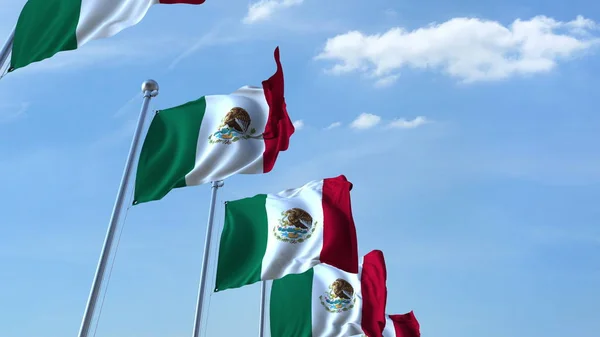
pixel 405 325
pixel 269 236
pixel 213 138
pixel 47 27
pixel 327 302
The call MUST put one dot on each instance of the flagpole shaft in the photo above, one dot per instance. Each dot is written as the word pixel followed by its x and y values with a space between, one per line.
pixel 6 48
pixel 263 302
pixel 202 288
pixel 149 90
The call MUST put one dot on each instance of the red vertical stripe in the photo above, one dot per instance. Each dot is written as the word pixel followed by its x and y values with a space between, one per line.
pixel 190 2
pixel 374 292
pixel 340 248
pixel 406 325
pixel 279 127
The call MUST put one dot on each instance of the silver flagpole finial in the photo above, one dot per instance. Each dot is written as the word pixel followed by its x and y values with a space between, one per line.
pixel 150 86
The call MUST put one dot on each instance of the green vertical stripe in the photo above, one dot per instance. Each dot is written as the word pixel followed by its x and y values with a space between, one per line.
pixel 291 305
pixel 169 151
pixel 243 243
pixel 44 28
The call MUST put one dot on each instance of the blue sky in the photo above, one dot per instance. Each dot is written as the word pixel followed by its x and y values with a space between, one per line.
pixel 485 207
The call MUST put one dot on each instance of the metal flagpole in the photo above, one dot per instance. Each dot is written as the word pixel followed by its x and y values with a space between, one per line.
pixel 263 303
pixel 6 49
pixel 149 90
pixel 202 288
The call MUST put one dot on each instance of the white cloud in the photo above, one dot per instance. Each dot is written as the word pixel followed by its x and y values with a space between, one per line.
pixel 581 25
pixel 468 49
pixel 401 123
pixel 386 81
pixel 365 121
pixel 333 125
pixel 390 13
pixel 299 124
pixel 264 9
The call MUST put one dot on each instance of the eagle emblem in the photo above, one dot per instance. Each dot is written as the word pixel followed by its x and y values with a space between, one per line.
pixel 234 126
pixel 295 226
pixel 339 298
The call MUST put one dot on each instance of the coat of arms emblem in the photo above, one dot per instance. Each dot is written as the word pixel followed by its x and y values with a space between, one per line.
pixel 234 126
pixel 295 226
pixel 339 298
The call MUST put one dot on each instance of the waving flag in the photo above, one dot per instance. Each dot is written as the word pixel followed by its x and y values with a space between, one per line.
pixel 47 27
pixel 214 137
pixel 269 236
pixel 327 302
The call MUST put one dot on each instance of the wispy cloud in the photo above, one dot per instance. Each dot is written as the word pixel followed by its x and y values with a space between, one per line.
pixel 460 162
pixel 109 53
pixel 401 123
pixel 213 37
pixel 11 112
pixel 299 124
pixel 365 121
pixel 333 125
pixel 390 13
pixel 488 50
pixel 229 31
pixel 125 108
pixel 265 9
pixel 387 81
pixel 121 133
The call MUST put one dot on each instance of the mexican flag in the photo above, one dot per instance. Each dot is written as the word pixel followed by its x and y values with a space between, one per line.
pixel 327 302
pixel 46 27
pixel 405 325
pixel 269 236
pixel 213 138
